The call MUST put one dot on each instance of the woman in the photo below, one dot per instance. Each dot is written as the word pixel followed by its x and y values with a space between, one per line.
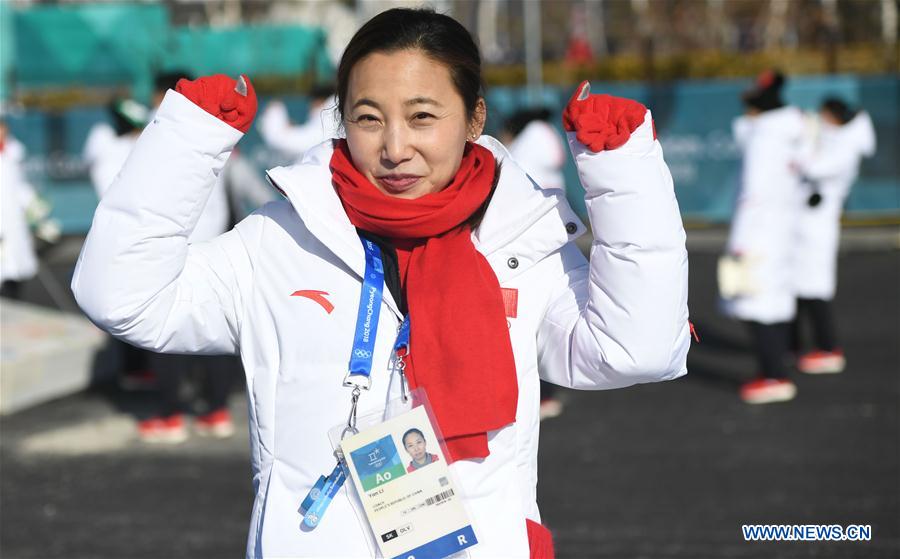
pixel 845 137
pixel 414 443
pixel 770 136
pixel 291 140
pixel 484 261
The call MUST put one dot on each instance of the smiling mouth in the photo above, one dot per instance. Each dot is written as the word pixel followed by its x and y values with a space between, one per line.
pixel 398 183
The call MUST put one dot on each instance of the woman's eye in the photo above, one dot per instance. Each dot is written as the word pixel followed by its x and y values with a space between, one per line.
pixel 422 116
pixel 366 120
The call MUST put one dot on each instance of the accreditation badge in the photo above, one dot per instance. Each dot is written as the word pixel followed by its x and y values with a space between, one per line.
pixel 401 475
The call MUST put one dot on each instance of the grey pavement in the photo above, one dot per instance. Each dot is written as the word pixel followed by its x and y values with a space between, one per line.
pixel 661 471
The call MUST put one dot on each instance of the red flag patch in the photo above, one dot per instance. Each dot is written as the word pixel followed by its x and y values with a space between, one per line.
pixel 510 301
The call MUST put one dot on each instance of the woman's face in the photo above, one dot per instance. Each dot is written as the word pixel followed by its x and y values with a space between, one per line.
pixel 829 118
pixel 415 446
pixel 406 124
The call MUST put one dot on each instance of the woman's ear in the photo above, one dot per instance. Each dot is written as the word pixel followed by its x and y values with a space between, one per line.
pixel 479 117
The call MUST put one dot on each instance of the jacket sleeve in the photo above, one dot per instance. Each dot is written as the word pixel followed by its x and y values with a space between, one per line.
pixel 830 163
pixel 137 277
pixel 622 319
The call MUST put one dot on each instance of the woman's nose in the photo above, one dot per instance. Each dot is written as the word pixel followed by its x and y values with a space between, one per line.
pixel 397 146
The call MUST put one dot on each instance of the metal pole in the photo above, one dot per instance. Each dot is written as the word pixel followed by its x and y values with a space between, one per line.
pixel 533 62
pixel 889 33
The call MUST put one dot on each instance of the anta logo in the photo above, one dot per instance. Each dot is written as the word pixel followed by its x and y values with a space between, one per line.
pixel 317 296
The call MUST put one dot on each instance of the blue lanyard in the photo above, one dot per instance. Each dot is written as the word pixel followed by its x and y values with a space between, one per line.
pixel 367 316
pixel 320 496
pixel 402 342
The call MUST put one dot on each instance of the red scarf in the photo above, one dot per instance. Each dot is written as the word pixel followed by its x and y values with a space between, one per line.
pixel 459 339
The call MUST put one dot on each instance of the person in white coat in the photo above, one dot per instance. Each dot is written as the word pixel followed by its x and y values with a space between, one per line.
pixel 108 145
pixel 534 142
pixel 844 138
pixel 480 262
pixel 291 140
pixel 18 260
pixel 770 136
pixel 538 148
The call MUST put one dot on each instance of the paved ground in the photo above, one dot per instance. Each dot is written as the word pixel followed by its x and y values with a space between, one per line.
pixel 660 471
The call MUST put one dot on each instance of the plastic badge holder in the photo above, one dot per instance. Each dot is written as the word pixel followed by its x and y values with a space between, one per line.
pixel 413 513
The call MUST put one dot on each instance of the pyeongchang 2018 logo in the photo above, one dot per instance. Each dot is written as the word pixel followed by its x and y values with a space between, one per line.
pixel 370 308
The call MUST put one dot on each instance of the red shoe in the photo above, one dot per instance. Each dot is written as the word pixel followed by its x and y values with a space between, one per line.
pixel 822 362
pixel 216 424
pixel 768 390
pixel 166 430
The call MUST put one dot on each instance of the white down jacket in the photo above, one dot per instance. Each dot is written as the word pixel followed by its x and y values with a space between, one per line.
pixel 620 321
pixel 763 225
pixel 832 166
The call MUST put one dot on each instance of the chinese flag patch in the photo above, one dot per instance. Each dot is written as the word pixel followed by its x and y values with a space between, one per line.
pixel 510 301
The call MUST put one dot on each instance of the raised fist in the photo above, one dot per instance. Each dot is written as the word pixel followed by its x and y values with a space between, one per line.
pixel 602 122
pixel 231 101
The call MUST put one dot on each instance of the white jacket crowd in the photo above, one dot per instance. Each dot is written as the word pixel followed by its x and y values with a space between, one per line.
pixel 789 246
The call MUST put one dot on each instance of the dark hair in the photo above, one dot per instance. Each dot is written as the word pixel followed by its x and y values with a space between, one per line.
pixel 409 432
pixel 520 119
pixel 127 116
pixel 765 94
pixel 165 81
pixel 321 91
pixel 438 36
pixel 841 110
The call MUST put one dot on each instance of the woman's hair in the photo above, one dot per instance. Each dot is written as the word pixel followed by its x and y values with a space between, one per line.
pixel 765 95
pixel 440 37
pixel 411 431
pixel 839 109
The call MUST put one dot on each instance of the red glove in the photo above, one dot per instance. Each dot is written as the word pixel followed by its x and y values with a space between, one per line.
pixel 602 122
pixel 217 95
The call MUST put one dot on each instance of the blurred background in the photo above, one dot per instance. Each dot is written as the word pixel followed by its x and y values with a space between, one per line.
pixel 688 60
pixel 658 471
